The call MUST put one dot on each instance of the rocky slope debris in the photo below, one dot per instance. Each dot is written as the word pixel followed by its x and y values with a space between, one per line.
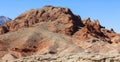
pixel 55 30
pixel 79 57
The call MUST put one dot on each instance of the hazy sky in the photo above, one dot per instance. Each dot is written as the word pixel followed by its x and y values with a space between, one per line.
pixel 106 11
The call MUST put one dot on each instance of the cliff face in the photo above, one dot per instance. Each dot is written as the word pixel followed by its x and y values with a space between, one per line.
pixel 55 30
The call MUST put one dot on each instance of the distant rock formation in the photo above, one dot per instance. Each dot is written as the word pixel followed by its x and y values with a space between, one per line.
pixel 55 30
pixel 4 20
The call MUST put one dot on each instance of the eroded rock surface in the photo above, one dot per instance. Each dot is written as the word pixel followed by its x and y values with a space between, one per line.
pixel 62 20
pixel 55 30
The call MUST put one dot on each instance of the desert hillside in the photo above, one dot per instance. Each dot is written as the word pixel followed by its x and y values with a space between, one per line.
pixel 55 31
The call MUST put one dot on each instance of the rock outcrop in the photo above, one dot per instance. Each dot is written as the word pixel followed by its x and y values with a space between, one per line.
pixel 55 30
pixel 92 29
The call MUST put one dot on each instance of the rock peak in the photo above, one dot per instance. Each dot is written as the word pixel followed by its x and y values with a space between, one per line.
pixel 58 15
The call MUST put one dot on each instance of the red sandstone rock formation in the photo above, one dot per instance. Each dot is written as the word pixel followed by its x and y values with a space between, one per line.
pixel 54 30
pixel 92 29
pixel 62 20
